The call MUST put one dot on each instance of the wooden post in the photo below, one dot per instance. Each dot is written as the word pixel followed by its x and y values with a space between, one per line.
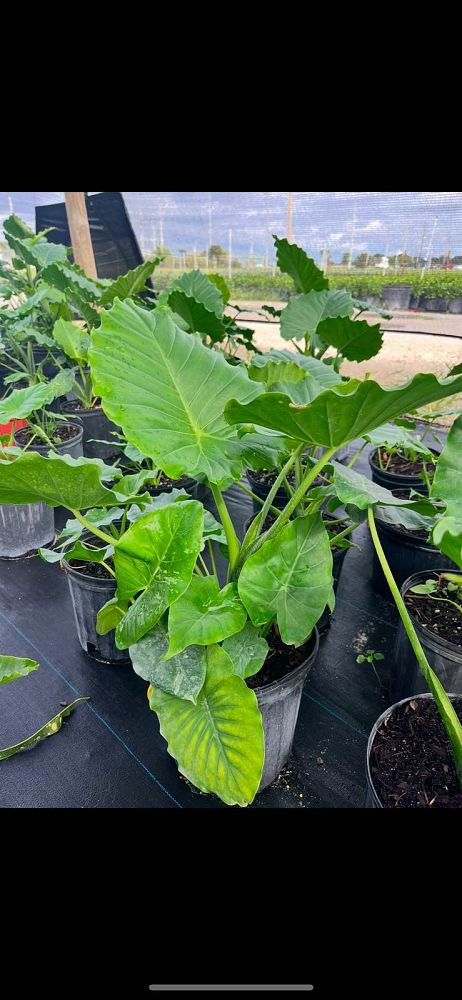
pixel 80 232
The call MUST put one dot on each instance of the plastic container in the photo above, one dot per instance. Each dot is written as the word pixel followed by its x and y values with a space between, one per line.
pixel 455 306
pixel 372 799
pixel 406 678
pixel 73 447
pixel 279 704
pixel 88 595
pixel 392 480
pixel 405 555
pixel 437 305
pixel 396 296
pixel 96 425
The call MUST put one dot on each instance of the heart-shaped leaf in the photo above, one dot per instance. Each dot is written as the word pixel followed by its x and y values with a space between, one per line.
pixel 168 391
pixel 356 340
pixel 204 615
pixel 289 579
pixel 218 742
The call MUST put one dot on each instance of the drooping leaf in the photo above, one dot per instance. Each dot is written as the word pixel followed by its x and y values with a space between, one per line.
pixel 71 279
pixel 302 315
pixel 343 413
pixel 319 376
pixel 183 675
pixel 204 615
pixel 247 650
pixel 72 339
pixel 395 435
pixel 198 286
pixel 292 260
pixel 353 488
pixel 17 227
pixel 130 283
pixel 289 579
pixel 60 481
pixel 219 742
pixel 49 729
pixel 156 555
pixel 356 340
pixel 408 518
pixel 168 392
pixel 110 615
pixel 39 254
pixel 13 667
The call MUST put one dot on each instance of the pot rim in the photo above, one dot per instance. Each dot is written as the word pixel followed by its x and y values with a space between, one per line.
pixel 414 476
pixel 373 733
pixel 439 645
pixel 58 447
pixel 405 539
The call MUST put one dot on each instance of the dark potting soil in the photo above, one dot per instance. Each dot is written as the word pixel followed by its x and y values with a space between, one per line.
pixel 92 569
pixel 61 434
pixel 280 661
pixel 267 477
pixel 399 465
pixel 164 481
pixel 75 406
pixel 411 760
pixel 435 615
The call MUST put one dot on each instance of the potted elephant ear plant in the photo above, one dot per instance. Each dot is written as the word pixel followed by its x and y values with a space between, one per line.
pixel 205 646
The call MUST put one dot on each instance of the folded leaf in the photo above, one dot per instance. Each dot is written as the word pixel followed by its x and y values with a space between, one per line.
pixel 22 402
pixel 60 481
pixel 198 286
pixel 302 315
pixel 356 340
pixel 168 391
pixel 183 675
pixel 204 615
pixel 290 579
pixel 218 743
pixel 73 341
pixel 110 615
pixel 49 729
pixel 353 488
pixel 130 283
pixel 272 371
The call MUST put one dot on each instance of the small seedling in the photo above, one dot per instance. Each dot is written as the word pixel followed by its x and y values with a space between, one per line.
pixel 451 582
pixel 368 657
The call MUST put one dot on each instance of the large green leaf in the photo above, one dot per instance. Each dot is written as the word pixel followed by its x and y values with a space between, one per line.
pixel 343 413
pixel 34 254
pixel 13 667
pixel 183 675
pixel 17 227
pixel 204 614
pixel 303 314
pixel 218 742
pixel 198 286
pixel 156 555
pixel 22 402
pixel 447 486
pixel 128 284
pixel 356 340
pixel 289 579
pixel 70 278
pixel 248 651
pixel 61 481
pixel 271 371
pixel 292 260
pixel 73 341
pixel 168 392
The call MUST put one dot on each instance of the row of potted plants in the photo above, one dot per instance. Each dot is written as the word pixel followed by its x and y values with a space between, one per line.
pixel 226 659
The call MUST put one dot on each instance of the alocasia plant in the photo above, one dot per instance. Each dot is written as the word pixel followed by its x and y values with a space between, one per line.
pixel 194 638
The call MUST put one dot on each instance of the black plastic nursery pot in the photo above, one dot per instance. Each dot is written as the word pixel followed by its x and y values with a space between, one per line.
pixel 437 305
pixel 406 554
pixel 96 425
pixel 89 594
pixel 444 657
pixel 191 486
pixel 72 447
pixel 394 481
pixel 396 296
pixel 50 369
pixel 279 703
pixel 455 306
pixel 24 528
pixel 373 800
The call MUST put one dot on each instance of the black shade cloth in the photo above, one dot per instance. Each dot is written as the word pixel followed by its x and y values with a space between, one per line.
pixel 115 245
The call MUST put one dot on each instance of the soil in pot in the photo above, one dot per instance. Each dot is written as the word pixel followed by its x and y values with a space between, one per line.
pixel 402 473
pixel 411 762
pixel 281 660
pixel 164 485
pixel 435 614
pixel 62 434
pixel 399 465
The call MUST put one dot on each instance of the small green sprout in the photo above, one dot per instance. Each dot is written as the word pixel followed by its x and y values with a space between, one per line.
pixel 369 657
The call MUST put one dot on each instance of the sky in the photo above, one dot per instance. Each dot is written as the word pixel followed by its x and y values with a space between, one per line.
pixel 421 222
